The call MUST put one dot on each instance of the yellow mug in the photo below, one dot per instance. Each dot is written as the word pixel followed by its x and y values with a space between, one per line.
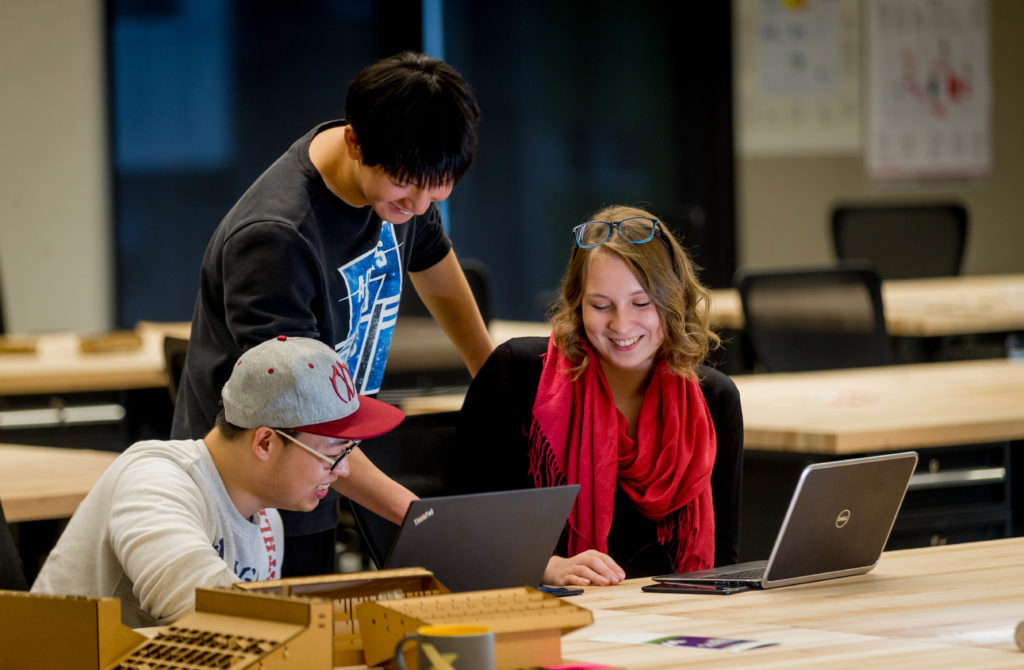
pixel 449 647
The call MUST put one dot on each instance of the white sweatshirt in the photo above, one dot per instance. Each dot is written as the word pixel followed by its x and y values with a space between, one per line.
pixel 158 524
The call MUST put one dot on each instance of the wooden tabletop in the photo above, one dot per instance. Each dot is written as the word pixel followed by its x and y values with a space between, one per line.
pixel 58 363
pixel 925 307
pixel 861 410
pixel 47 482
pixel 951 606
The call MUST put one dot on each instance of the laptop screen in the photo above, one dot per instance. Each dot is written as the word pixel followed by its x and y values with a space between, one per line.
pixel 840 517
pixel 486 540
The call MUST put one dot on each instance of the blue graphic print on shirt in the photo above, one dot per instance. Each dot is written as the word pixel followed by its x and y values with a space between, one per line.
pixel 246 573
pixel 374 283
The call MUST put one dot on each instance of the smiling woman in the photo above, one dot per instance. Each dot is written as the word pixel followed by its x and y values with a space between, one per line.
pixel 621 323
pixel 617 401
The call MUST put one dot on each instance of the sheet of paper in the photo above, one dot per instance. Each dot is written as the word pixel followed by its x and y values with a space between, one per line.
pixel 711 643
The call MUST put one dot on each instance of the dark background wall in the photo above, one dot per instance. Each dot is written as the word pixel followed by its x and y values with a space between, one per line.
pixel 584 104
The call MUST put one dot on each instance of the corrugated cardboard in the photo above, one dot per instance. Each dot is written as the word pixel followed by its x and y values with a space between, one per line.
pixel 48 632
pixel 229 629
pixel 528 625
pixel 346 592
pixel 238 630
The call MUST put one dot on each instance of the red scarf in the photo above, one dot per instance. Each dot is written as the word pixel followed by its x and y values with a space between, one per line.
pixel 578 436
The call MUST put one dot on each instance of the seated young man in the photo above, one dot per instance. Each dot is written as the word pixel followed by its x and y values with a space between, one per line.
pixel 170 516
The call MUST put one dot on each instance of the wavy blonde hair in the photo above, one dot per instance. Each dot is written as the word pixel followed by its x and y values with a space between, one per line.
pixel 668 276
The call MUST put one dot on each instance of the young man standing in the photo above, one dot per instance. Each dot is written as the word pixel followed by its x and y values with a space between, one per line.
pixel 168 517
pixel 319 247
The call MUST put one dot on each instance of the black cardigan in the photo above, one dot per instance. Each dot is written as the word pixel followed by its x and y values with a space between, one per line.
pixel 492 443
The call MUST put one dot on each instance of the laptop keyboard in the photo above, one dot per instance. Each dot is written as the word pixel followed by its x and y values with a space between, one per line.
pixel 754 574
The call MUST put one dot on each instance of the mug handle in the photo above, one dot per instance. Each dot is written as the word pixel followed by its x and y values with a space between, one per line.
pixel 399 659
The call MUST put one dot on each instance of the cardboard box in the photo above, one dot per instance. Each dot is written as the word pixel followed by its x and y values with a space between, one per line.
pixel 229 629
pixel 48 632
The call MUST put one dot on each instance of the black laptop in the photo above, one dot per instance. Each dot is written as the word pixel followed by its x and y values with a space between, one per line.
pixel 837 525
pixel 484 540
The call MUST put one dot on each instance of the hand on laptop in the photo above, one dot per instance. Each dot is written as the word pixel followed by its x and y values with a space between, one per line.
pixel 583 569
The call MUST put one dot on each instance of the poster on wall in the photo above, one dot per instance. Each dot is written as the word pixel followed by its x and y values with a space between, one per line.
pixel 929 89
pixel 797 76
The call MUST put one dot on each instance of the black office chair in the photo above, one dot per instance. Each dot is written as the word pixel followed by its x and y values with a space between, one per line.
pixel 416 332
pixel 175 350
pixel 415 455
pixel 902 241
pixel 479 280
pixel 815 319
pixel 723 402
pixel 12 574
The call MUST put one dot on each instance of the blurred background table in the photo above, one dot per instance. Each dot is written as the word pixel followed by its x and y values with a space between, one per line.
pixel 932 307
pixel 97 391
pixel 40 487
pixel 39 483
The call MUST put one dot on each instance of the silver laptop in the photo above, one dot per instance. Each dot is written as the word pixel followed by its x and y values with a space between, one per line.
pixel 484 540
pixel 837 525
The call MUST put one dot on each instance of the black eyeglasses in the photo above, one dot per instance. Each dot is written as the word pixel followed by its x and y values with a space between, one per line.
pixel 635 229
pixel 352 444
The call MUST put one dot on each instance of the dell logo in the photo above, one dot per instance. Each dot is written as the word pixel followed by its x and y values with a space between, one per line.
pixel 843 518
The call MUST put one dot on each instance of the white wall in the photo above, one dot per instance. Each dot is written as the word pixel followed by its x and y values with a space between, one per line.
pixel 783 202
pixel 55 215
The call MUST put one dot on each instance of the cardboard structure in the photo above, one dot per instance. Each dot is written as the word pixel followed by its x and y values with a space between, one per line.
pixel 229 629
pixel 301 623
pixel 46 632
pixel 346 592
pixel 528 625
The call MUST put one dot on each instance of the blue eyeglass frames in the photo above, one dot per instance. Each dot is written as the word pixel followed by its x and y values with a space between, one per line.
pixel 635 229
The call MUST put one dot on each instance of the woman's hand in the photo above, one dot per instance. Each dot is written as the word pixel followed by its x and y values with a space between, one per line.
pixel 583 569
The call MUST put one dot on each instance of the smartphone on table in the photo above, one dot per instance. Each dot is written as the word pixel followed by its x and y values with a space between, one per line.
pixel 713 589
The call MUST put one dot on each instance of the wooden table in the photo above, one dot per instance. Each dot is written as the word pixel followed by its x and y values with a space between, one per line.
pixel 932 307
pixel 953 606
pixel 841 412
pixel 39 483
pixel 59 366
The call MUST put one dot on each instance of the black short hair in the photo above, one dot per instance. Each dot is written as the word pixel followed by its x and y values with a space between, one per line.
pixel 232 432
pixel 415 117
pixel 227 429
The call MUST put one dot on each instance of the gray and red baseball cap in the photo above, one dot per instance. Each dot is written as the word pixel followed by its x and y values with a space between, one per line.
pixel 302 383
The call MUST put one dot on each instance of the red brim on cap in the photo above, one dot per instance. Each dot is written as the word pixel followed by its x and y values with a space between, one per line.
pixel 373 418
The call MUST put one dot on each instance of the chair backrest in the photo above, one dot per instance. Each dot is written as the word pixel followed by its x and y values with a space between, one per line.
pixel 12 574
pixel 415 454
pixel 723 401
pixel 902 241
pixel 816 318
pixel 421 354
pixel 479 281
pixel 175 350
